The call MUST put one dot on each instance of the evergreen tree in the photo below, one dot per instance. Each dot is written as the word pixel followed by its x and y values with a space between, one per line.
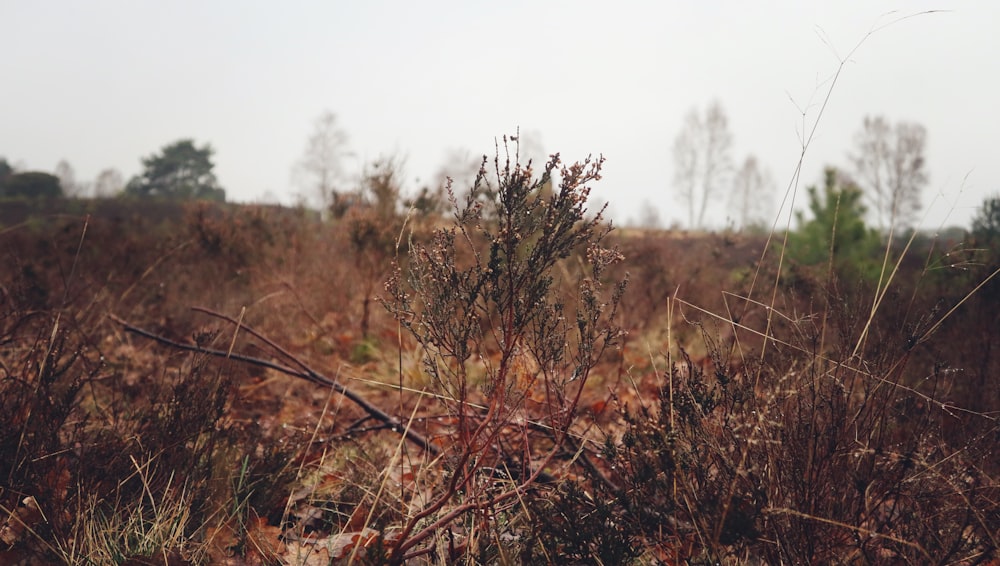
pixel 986 230
pixel 181 171
pixel 836 230
pixel 986 224
pixel 31 184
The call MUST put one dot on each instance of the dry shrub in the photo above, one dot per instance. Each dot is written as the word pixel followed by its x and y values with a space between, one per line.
pixel 826 449
pixel 508 356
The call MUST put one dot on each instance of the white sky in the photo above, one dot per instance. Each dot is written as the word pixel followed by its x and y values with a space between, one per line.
pixel 104 83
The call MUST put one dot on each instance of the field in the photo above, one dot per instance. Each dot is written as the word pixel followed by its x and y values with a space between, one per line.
pixel 223 384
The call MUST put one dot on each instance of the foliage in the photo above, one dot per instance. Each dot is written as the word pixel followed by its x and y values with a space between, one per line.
pixel 846 435
pixel 105 469
pixel 986 241
pixel 501 347
pixel 374 227
pixel 5 170
pixel 428 203
pixel 836 234
pixel 31 184
pixel 986 224
pixel 181 171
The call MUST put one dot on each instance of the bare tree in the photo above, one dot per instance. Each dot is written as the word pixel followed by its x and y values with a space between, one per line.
pixel 686 163
pixel 458 171
pixel 374 224
pixel 108 183
pixel 67 179
pixel 649 216
pixel 752 192
pixel 381 185
pixel 702 160
pixel 889 164
pixel 461 166
pixel 530 147
pixel 321 168
pixel 6 169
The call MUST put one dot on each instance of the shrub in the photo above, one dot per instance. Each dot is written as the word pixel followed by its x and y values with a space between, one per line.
pixel 805 459
pixel 507 356
pixel 31 184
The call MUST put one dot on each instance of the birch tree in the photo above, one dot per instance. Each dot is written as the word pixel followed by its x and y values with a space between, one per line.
pixel 890 166
pixel 109 182
pixel 752 192
pixel 67 179
pixel 320 169
pixel 702 161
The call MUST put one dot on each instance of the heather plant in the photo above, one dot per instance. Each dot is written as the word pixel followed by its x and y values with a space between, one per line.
pixel 95 470
pixel 506 355
pixel 98 464
pixel 809 456
pixel 841 436
pixel 844 435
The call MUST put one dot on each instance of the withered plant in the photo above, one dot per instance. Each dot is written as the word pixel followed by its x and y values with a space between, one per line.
pixel 373 226
pixel 505 354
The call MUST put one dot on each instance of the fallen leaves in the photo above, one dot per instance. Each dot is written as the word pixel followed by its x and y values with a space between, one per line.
pixel 21 521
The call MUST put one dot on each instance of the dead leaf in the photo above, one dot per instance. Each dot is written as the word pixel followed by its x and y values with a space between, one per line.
pixel 21 520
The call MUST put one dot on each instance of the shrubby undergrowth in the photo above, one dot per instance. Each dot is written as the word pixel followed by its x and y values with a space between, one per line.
pixel 703 416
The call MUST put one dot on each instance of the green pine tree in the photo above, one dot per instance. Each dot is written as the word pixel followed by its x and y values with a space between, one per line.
pixel 181 171
pixel 836 230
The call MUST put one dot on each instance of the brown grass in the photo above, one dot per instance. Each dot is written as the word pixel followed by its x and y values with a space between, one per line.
pixel 699 441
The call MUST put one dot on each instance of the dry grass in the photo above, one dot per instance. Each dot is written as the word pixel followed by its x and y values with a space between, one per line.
pixel 830 421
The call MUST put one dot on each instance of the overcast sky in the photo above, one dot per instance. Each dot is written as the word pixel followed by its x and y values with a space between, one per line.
pixel 105 83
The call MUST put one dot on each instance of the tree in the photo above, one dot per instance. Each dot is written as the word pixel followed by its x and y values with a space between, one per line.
pixel 109 183
pixel 6 170
pixel 890 164
pixel 986 225
pixel 458 174
pixel 836 232
pixel 649 216
pixel 428 202
pixel 374 226
pixel 31 184
pixel 320 169
pixel 461 167
pixel 751 196
pixel 67 179
pixel 181 171
pixel 702 160
pixel 530 148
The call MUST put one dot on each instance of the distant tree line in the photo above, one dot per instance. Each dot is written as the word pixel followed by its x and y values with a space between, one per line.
pixel 180 171
pixel 883 184
pixel 704 172
pixel 887 167
pixel 14 184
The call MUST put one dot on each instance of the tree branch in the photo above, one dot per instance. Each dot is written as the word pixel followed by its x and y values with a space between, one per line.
pixel 305 373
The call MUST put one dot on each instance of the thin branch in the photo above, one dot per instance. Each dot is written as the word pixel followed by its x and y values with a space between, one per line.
pixel 306 373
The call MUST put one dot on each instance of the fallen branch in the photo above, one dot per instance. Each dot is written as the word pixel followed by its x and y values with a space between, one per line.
pixel 305 373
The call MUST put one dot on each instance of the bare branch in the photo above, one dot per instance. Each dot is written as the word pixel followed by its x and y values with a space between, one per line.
pixel 889 163
pixel 306 373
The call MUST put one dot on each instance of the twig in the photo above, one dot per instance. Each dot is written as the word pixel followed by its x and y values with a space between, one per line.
pixel 305 373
